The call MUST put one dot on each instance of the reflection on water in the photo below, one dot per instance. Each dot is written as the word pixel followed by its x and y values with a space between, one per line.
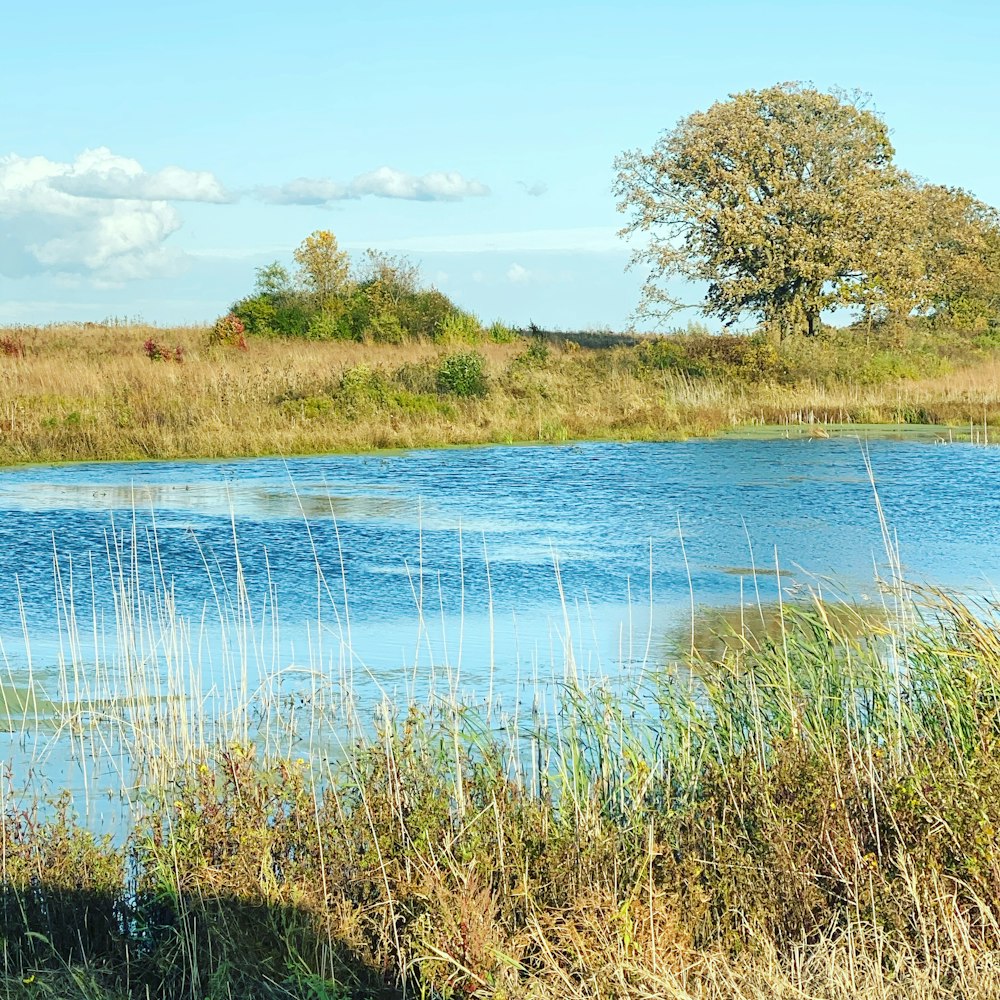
pixel 301 501
pixel 715 634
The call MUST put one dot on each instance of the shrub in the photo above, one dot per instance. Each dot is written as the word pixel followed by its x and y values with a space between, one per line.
pixel 11 347
pixel 384 328
pixel 291 317
pixel 423 314
pixel 460 326
pixel 333 322
pixel 362 389
pixel 156 352
pixel 500 333
pixel 462 374
pixel 258 315
pixel 738 358
pixel 381 303
pixel 307 407
pixel 230 331
pixel 535 355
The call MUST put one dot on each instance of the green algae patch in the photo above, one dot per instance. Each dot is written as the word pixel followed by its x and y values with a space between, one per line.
pixel 928 433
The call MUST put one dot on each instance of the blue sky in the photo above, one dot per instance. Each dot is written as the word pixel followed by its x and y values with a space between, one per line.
pixel 153 155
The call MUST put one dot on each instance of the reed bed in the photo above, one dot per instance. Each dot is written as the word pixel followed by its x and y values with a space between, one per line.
pixel 810 809
pixel 96 392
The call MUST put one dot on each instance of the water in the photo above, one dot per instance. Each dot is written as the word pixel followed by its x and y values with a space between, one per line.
pixel 454 530
pixel 485 569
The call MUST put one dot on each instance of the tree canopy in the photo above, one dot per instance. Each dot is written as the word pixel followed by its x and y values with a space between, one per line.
pixel 324 269
pixel 785 202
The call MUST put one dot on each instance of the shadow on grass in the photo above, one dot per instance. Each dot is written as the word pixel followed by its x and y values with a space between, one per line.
pixel 106 945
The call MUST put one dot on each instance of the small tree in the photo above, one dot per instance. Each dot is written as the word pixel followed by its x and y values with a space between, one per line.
pixel 273 280
pixel 323 268
pixel 388 280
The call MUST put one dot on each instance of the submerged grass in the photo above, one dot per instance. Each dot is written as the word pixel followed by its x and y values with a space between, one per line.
pixel 99 392
pixel 808 809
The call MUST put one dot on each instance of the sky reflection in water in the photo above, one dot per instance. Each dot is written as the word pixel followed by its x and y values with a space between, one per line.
pixel 452 534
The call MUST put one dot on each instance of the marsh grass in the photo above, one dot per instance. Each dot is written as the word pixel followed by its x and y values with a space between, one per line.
pixel 808 808
pixel 91 392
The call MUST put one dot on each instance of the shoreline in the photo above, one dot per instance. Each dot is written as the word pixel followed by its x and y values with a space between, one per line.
pixel 917 433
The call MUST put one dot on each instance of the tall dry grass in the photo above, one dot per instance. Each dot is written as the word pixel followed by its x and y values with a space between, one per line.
pixel 90 392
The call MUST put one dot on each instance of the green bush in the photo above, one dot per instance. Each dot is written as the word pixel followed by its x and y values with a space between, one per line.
pixel 462 374
pixel 500 333
pixel 886 355
pixel 385 308
pixel 330 323
pixel 307 407
pixel 257 315
pixel 423 313
pixel 533 356
pixel 460 327
pixel 361 385
pixel 384 327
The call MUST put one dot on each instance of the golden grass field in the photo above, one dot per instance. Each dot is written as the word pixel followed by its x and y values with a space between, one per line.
pixel 84 392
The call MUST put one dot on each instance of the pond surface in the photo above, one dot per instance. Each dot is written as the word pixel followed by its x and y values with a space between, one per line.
pixel 525 531
pixel 488 567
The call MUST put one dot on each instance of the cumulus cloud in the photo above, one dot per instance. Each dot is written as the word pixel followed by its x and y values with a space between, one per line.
pixel 385 182
pixel 102 216
pixel 517 273
pixel 99 173
pixel 439 186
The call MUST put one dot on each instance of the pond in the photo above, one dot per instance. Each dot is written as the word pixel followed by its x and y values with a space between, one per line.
pixel 479 572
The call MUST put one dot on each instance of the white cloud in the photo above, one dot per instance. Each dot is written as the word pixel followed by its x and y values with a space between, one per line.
pixel 439 186
pixel 517 273
pixel 385 182
pixel 102 216
pixel 99 173
pixel 536 189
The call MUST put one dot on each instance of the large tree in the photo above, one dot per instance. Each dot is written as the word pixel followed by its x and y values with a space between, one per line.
pixel 779 200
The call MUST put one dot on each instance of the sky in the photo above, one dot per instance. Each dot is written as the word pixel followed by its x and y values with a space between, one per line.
pixel 153 156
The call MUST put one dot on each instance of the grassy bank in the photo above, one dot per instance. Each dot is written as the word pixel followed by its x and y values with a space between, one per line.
pixel 102 392
pixel 812 811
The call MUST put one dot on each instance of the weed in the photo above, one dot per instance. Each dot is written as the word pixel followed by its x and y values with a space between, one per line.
pixel 791 814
